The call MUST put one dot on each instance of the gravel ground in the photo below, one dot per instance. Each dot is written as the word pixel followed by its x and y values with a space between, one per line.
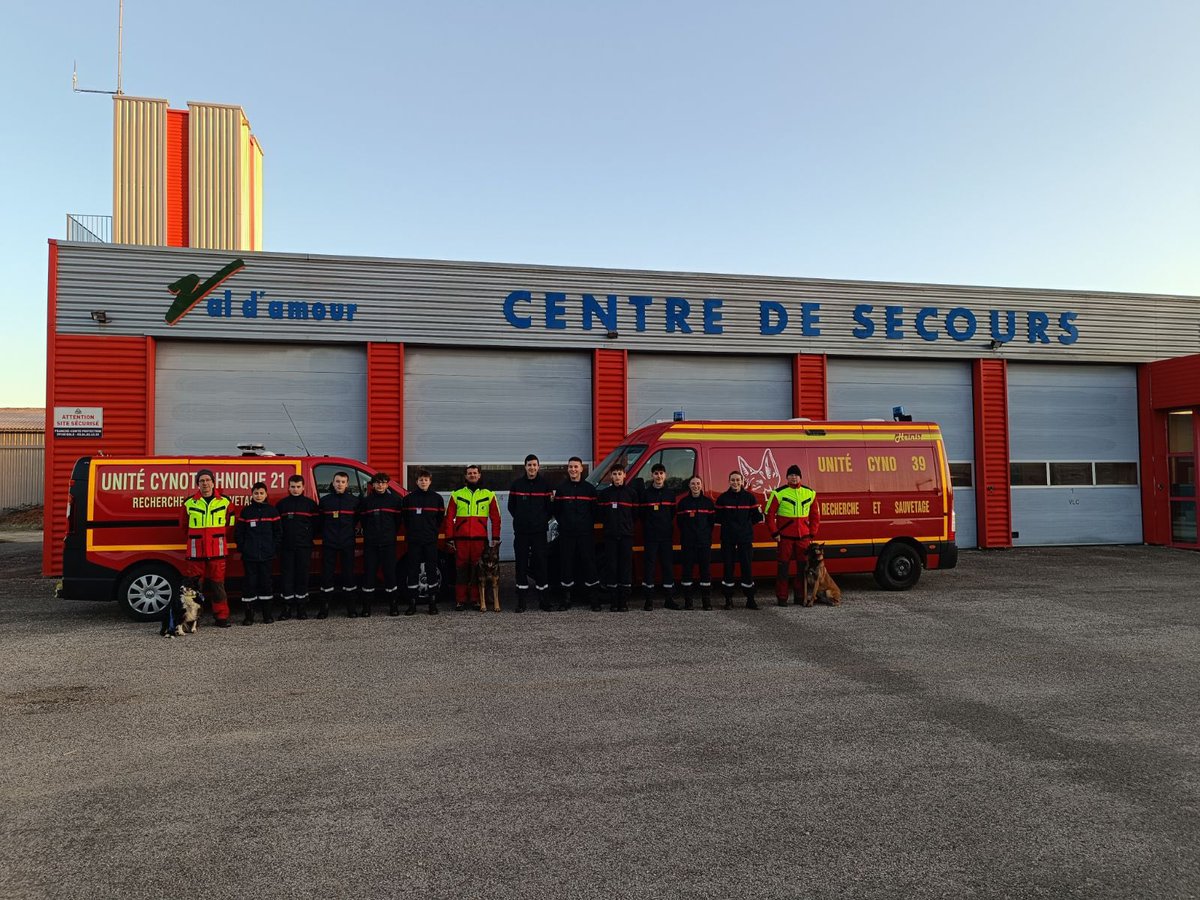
pixel 1023 726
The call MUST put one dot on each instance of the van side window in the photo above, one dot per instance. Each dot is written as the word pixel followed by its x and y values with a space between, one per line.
pixel 680 463
pixel 323 474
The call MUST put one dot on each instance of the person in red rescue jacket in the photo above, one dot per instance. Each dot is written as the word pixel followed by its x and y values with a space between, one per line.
pixel 207 518
pixel 472 507
pixel 793 516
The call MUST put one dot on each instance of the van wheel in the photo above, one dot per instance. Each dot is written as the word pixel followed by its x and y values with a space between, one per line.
pixel 899 567
pixel 146 591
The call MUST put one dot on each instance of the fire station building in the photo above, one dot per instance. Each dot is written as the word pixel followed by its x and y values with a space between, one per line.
pixel 1068 417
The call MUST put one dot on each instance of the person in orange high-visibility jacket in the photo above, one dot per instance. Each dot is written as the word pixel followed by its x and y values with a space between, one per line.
pixel 207 518
pixel 471 508
pixel 793 517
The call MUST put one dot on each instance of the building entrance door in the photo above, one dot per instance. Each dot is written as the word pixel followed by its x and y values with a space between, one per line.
pixel 1181 464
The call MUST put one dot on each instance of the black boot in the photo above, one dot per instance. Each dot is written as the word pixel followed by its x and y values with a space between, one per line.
pixel 750 604
pixel 564 602
pixel 728 599
pixel 265 602
pixel 302 606
pixel 705 600
pixel 671 603
pixel 412 607
pixel 365 610
pixel 394 608
pixel 286 612
pixel 248 619
pixel 521 600
pixel 433 607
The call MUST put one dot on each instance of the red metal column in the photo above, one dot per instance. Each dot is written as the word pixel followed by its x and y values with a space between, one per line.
pixel 121 393
pixel 610 400
pixel 1152 453
pixel 809 386
pixel 993 489
pixel 385 408
pixel 177 178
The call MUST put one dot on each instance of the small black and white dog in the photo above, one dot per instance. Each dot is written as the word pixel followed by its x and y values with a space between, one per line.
pixel 182 614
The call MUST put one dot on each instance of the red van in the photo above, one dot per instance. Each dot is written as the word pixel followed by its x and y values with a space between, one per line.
pixel 125 540
pixel 884 491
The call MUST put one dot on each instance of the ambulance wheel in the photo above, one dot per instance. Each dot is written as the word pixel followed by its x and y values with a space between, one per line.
pixel 899 567
pixel 146 590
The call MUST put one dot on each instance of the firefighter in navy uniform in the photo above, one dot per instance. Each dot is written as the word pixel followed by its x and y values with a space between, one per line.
pixel 792 518
pixel 207 518
pixel 379 518
pixel 337 544
pixel 299 517
pixel 575 512
pixel 616 506
pixel 737 514
pixel 472 507
pixel 696 515
pixel 423 511
pixel 657 507
pixel 530 505
pixel 259 535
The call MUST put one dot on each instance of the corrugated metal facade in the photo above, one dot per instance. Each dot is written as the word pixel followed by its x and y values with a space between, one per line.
pixel 809 388
pixel 215 175
pixel 992 493
pixel 610 396
pixel 114 373
pixel 22 467
pixel 385 408
pixel 708 387
pixel 177 178
pixel 139 170
pixel 449 303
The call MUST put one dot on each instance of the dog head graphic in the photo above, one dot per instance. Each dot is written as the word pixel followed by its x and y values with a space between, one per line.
pixel 763 479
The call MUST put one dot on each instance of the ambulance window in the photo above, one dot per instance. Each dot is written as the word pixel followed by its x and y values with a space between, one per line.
pixel 324 478
pixel 962 474
pixel 627 455
pixel 680 463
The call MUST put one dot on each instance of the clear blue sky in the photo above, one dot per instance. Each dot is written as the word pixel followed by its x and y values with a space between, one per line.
pixel 1035 144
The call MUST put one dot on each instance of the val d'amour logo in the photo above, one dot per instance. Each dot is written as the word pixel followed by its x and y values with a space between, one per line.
pixel 189 290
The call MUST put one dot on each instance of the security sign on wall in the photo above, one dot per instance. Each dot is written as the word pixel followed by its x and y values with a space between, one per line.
pixel 78 421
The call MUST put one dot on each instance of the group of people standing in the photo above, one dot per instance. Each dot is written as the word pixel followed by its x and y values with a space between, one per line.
pixel 287 531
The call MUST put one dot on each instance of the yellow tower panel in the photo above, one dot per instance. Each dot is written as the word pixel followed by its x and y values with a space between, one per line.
pixel 139 170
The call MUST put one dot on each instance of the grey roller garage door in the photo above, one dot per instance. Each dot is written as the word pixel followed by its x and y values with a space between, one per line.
pixel 708 387
pixel 1073 444
pixel 211 396
pixel 493 407
pixel 930 391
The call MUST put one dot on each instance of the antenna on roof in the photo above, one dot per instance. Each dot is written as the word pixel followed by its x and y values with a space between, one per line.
pixel 293 421
pixel 120 35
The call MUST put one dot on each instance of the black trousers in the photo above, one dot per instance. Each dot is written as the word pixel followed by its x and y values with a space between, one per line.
pixel 256 580
pixel 426 553
pixel 696 556
pixel 531 560
pixel 294 564
pixel 741 553
pixel 618 562
pixel 662 553
pixel 330 578
pixel 375 558
pixel 579 548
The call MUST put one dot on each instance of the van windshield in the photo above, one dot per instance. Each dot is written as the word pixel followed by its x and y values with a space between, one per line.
pixel 626 454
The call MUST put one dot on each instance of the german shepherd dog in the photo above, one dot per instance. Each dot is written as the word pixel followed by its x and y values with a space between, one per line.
pixel 487 573
pixel 818 585
pixel 182 615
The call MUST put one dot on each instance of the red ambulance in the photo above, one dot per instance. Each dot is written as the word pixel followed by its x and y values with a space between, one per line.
pixel 884 491
pixel 125 540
